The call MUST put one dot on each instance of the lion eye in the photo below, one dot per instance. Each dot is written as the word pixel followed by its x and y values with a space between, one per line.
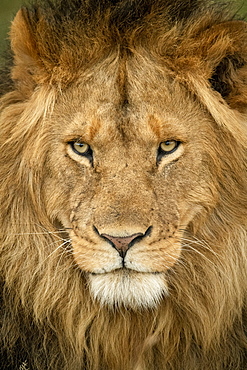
pixel 82 149
pixel 167 147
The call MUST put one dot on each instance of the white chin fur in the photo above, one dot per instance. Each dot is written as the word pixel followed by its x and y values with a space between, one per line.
pixel 129 289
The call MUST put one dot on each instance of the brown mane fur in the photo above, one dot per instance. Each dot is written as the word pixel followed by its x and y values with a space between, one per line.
pixel 48 317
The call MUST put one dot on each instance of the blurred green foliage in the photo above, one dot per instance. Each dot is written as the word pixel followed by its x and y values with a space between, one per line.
pixel 9 7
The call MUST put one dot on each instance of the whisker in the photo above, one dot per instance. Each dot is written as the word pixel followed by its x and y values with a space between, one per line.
pixel 37 233
pixel 201 244
pixel 216 267
pixel 56 249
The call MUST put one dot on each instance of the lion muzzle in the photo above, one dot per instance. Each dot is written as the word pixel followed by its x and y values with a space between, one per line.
pixel 123 243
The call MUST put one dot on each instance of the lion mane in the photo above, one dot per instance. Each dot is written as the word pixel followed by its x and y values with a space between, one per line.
pixel 123 132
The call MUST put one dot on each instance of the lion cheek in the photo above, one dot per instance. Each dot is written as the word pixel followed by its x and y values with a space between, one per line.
pixel 96 266
pixel 159 257
pixel 95 259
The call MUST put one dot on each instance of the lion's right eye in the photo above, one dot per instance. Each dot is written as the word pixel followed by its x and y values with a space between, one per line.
pixel 82 149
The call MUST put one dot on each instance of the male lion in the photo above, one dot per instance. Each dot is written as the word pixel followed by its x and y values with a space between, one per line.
pixel 124 187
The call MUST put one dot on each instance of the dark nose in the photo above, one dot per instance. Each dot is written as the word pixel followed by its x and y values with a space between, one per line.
pixel 123 243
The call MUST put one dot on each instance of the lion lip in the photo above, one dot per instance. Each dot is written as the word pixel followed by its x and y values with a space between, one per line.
pixel 127 271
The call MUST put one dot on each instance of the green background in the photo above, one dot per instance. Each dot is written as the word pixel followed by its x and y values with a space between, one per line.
pixel 9 7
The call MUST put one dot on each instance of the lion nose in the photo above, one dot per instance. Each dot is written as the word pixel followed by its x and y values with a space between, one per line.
pixel 123 243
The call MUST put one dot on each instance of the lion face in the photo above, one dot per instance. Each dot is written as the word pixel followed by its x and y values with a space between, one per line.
pixel 132 174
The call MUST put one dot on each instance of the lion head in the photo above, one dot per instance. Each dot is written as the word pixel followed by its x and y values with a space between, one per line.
pixel 123 187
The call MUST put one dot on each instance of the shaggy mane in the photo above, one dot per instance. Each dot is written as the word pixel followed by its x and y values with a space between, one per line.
pixel 98 27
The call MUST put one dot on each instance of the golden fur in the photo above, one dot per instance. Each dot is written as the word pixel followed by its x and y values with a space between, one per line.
pixel 123 77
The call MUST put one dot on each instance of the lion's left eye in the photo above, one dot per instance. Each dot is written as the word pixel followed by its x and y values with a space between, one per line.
pixel 82 149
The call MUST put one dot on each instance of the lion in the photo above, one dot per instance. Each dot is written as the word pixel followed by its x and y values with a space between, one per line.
pixel 124 187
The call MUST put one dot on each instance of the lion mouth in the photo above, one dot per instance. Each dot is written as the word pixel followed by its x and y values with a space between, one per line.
pixel 125 253
pixel 126 271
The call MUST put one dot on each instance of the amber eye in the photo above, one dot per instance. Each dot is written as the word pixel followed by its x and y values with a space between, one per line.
pixel 167 147
pixel 82 149
pixel 79 148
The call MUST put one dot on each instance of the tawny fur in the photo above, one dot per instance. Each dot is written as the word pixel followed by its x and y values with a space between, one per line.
pixel 124 76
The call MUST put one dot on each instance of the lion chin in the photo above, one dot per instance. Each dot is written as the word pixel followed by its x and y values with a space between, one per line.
pixel 128 288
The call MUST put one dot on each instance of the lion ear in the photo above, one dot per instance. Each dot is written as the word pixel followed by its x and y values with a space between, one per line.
pixel 225 51
pixel 29 65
